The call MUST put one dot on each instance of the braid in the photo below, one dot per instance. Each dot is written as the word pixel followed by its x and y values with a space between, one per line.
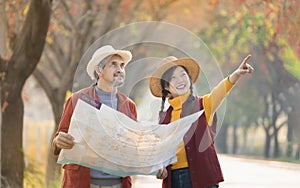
pixel 163 99
pixel 192 89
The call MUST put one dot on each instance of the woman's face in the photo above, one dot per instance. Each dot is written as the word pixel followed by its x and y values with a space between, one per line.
pixel 179 83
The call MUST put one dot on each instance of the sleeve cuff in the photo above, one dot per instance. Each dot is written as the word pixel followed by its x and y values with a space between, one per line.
pixel 228 84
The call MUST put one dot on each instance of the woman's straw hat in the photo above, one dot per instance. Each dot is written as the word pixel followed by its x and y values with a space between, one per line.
pixel 189 64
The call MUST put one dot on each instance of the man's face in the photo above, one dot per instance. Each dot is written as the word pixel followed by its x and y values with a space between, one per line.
pixel 113 71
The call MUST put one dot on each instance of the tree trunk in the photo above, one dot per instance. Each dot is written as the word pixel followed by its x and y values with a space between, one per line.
pixel 289 136
pixel 235 140
pixel 53 169
pixel 267 145
pixel 245 143
pixel 26 55
pixel 276 144
pixel 3 30
pixel 56 97
pixel 12 161
pixel 221 140
pixel 297 156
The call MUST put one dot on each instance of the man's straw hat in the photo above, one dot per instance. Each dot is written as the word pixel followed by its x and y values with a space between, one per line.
pixel 104 52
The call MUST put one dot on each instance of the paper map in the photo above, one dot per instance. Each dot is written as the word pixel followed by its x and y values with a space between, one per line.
pixel 110 141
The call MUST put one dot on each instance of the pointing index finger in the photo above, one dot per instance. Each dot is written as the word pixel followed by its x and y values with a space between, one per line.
pixel 246 59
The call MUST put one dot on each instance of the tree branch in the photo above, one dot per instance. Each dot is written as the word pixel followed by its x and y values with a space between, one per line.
pixel 281 124
pixel 110 16
pixel 30 44
pixel 55 66
pixel 44 82
pixel 69 16
pixel 57 50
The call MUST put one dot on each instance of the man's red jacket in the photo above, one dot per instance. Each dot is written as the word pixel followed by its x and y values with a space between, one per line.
pixel 76 176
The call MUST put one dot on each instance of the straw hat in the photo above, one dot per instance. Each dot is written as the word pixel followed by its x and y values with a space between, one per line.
pixel 104 52
pixel 189 64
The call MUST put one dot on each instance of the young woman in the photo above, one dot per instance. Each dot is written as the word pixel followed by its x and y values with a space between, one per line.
pixel 197 163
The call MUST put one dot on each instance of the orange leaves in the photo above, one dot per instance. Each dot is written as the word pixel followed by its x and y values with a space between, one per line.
pixel 213 3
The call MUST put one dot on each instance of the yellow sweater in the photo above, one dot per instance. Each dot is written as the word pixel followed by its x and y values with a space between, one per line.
pixel 211 103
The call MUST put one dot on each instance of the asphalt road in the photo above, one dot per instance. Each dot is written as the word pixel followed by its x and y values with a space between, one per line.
pixel 246 173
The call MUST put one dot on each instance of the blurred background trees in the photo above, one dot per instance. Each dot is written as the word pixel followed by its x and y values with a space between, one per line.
pixel 265 104
pixel 264 29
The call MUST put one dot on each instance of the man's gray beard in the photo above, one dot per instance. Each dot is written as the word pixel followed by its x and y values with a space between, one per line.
pixel 117 83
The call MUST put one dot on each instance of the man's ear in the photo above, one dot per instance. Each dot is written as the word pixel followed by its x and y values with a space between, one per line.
pixel 98 69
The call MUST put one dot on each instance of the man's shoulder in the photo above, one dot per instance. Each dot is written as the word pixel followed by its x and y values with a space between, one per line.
pixel 87 90
pixel 123 97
